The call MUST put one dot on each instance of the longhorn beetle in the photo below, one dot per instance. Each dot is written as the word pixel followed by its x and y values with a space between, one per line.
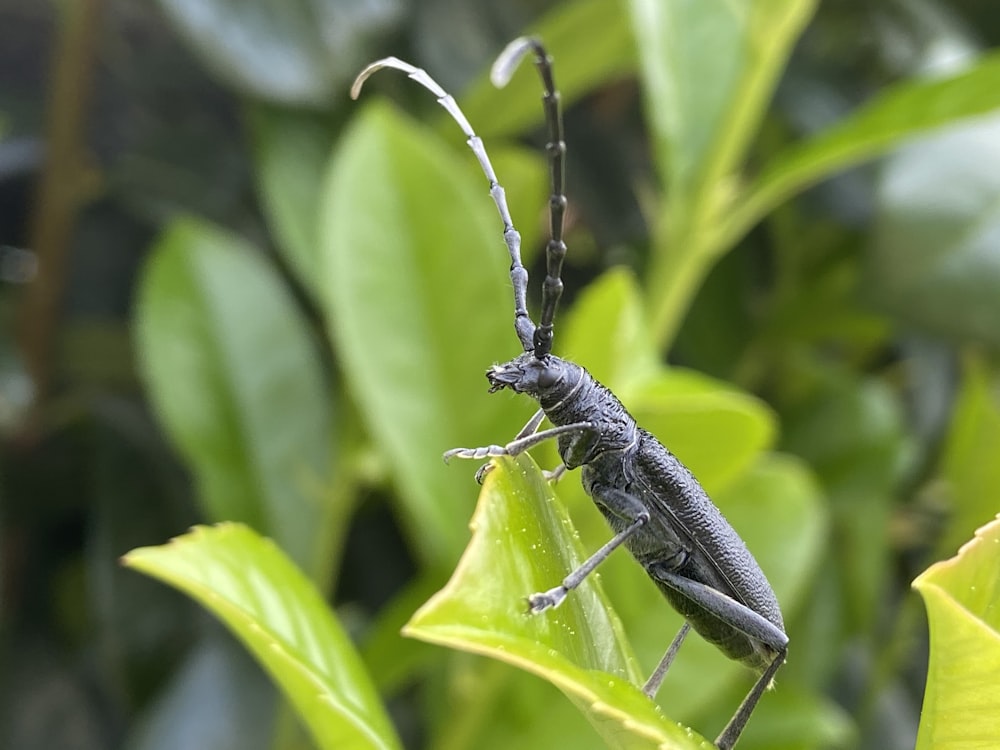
pixel 652 502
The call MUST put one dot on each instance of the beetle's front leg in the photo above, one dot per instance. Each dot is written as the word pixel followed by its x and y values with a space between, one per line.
pixel 530 428
pixel 519 444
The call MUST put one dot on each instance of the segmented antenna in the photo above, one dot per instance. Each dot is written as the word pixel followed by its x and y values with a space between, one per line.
pixel 532 337
pixel 555 251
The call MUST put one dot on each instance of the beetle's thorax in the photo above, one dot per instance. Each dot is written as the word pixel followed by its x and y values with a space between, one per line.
pixel 568 394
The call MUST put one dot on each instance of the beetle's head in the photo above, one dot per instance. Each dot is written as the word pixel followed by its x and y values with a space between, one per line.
pixel 548 379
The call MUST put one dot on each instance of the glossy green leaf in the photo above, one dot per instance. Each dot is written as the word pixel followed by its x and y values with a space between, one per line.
pixel 961 708
pixel 282 619
pixel 899 113
pixel 708 69
pixel 591 42
pixel 418 297
pixel 298 53
pixel 523 542
pixel 237 382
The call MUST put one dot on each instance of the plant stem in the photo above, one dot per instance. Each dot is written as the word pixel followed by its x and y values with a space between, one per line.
pixel 59 190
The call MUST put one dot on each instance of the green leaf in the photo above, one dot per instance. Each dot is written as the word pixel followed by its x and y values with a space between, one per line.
pixel 282 619
pixel 523 542
pixel 394 662
pixel 298 53
pixel 291 149
pixel 851 431
pixel 237 382
pixel 708 69
pixel 969 463
pixel 778 510
pixel 790 717
pixel 187 711
pixel 962 699
pixel 418 298
pixel 591 42
pixel 606 332
pixel 935 261
pixel 716 430
pixel 894 116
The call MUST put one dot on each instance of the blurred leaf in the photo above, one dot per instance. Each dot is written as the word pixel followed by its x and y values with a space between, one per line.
pixel 897 114
pixel 962 698
pixel 418 298
pixel 708 69
pixel 969 464
pixel 276 612
pixel 716 430
pixel 590 41
pixel 935 263
pixel 237 382
pixel 393 661
pixel 792 718
pixel 217 699
pixel 606 332
pixel 778 510
pixel 852 433
pixel 531 713
pixel 523 542
pixel 291 150
pixel 298 53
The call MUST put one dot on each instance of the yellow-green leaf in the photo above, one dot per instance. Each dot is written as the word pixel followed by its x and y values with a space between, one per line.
pixel 962 698
pixel 523 543
pixel 249 584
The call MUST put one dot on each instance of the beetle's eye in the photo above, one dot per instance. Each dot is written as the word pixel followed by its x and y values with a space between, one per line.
pixel 549 377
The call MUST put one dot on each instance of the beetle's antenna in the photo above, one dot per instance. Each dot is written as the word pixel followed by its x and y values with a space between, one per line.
pixel 555 251
pixel 523 325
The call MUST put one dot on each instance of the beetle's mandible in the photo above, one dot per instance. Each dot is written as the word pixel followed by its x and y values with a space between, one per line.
pixel 653 503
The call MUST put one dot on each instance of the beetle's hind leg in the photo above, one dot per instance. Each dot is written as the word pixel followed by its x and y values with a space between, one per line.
pixel 656 679
pixel 741 618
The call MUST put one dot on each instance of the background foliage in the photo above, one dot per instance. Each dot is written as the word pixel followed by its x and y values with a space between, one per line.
pixel 234 295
